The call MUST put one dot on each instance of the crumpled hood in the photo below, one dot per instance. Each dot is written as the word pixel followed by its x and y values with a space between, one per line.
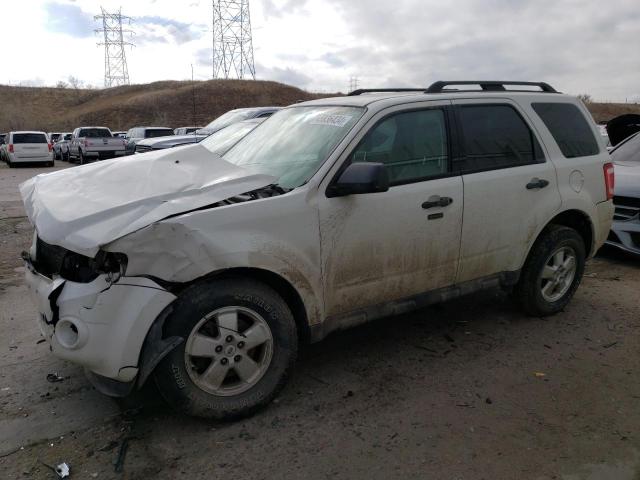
pixel 627 179
pixel 83 208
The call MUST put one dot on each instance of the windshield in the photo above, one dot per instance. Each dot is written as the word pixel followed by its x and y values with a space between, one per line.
pixel 628 151
pixel 293 143
pixel 228 118
pixel 224 139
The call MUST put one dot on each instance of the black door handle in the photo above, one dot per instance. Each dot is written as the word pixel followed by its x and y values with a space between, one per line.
pixel 537 183
pixel 437 201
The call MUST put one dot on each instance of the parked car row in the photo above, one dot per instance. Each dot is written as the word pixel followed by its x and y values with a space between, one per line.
pixel 89 143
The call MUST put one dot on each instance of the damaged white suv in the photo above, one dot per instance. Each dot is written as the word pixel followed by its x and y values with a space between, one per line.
pixel 205 273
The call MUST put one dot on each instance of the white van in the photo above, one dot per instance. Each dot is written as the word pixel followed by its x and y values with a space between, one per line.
pixel 27 147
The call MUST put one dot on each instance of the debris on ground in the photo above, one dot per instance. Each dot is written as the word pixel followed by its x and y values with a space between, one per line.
pixel 122 453
pixel 62 469
pixel 539 374
pixel 54 377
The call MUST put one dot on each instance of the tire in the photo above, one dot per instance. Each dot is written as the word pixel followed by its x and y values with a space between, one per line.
pixel 543 288
pixel 80 157
pixel 180 376
pixel 66 157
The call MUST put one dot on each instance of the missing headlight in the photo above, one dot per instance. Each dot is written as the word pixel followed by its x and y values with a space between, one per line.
pixel 81 269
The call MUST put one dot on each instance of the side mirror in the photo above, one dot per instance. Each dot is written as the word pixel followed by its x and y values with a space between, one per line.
pixel 360 178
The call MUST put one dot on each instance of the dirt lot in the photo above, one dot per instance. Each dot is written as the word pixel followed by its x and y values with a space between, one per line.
pixel 470 389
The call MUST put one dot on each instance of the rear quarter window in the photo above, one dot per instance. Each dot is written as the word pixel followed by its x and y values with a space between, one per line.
pixel 569 128
pixel 29 138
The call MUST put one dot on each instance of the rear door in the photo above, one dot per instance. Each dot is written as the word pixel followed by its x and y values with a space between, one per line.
pixel 510 186
pixel 30 145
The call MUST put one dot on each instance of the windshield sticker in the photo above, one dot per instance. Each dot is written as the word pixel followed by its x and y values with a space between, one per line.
pixel 332 120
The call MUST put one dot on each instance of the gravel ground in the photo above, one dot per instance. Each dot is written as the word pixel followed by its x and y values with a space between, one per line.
pixel 470 389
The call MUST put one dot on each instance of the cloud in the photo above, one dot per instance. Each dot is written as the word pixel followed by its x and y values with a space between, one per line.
pixel 333 59
pixel 155 29
pixel 275 8
pixel 69 19
pixel 283 75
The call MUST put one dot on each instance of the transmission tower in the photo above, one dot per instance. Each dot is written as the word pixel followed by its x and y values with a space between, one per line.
pixel 115 61
pixel 232 44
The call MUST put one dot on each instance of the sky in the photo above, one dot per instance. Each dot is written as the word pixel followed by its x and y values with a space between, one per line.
pixel 578 46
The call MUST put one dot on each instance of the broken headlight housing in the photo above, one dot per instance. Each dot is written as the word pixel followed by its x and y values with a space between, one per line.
pixel 54 260
pixel 81 269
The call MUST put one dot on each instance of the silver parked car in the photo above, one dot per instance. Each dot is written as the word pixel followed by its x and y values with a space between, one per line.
pixel 625 231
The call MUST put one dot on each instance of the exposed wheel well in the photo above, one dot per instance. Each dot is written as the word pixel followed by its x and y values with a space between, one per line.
pixel 580 222
pixel 280 285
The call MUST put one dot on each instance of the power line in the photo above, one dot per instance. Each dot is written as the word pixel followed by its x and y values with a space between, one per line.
pixel 116 71
pixel 232 42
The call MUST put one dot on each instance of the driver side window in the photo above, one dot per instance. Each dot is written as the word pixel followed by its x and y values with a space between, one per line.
pixel 411 145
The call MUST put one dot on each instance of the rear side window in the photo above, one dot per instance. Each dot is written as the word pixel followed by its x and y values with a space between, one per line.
pixel 94 133
pixel 495 136
pixel 157 132
pixel 569 128
pixel 29 138
pixel 411 145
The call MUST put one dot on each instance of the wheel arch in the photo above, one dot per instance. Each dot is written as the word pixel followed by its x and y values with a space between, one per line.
pixel 575 219
pixel 281 285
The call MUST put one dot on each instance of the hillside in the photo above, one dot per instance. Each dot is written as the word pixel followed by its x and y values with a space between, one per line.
pixel 168 103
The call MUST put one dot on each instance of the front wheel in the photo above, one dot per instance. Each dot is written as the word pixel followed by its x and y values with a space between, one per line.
pixel 552 272
pixel 80 157
pixel 240 344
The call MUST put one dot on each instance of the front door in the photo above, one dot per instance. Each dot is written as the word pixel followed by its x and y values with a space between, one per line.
pixel 382 247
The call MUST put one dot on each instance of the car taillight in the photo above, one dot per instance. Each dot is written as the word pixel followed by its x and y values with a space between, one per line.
pixel 11 148
pixel 609 180
pixel 50 146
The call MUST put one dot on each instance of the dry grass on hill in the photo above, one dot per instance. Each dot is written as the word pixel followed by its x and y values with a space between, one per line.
pixel 168 103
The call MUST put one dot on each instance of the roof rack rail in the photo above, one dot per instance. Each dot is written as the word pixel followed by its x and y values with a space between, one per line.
pixel 490 85
pixel 383 90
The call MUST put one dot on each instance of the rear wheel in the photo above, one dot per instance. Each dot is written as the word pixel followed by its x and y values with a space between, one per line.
pixel 552 272
pixel 240 346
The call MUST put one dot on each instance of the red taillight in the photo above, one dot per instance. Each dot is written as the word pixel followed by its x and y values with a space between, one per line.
pixel 50 147
pixel 11 148
pixel 609 180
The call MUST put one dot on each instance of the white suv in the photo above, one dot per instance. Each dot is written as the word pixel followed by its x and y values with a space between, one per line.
pixel 206 272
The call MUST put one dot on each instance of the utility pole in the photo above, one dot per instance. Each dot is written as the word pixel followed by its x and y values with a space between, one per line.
pixel 232 42
pixel 354 83
pixel 116 71
pixel 193 97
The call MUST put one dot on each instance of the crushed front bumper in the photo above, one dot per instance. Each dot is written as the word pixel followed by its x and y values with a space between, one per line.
pixel 98 325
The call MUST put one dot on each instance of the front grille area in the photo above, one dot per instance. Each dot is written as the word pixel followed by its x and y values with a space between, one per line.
pixel 49 258
pixel 143 148
pixel 627 208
